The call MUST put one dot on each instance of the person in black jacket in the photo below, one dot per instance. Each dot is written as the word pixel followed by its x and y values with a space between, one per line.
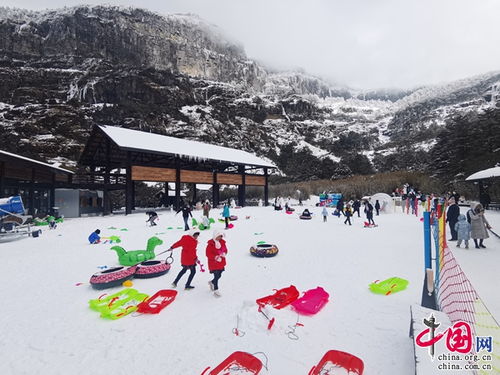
pixel 152 216
pixel 377 206
pixel 355 207
pixel 369 213
pixel 452 218
pixel 186 212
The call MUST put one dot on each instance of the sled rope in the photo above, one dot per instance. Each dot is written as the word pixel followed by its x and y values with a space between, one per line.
pixel 291 331
pixel 236 330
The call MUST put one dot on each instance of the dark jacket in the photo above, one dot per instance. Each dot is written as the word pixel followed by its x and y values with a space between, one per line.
pixel 453 213
pixel 186 211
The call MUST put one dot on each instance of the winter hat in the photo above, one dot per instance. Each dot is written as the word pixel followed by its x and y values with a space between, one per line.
pixel 193 231
pixel 461 217
pixel 97 231
pixel 217 233
pixel 451 200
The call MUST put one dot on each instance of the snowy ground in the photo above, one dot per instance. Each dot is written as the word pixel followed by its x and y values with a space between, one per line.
pixel 47 327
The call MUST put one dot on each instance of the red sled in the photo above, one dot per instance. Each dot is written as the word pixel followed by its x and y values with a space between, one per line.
pixel 335 359
pixel 235 363
pixel 157 302
pixel 281 298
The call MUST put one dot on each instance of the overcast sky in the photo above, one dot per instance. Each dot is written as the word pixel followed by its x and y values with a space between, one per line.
pixel 361 43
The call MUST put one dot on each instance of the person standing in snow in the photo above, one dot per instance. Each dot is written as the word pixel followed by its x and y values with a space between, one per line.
pixel 348 214
pixel 324 212
pixel 206 208
pixel 377 207
pixel 479 224
pixel 462 227
pixel 369 212
pixel 226 214
pixel 356 206
pixel 340 206
pixel 188 242
pixel 216 254
pixel 186 212
pixel 452 218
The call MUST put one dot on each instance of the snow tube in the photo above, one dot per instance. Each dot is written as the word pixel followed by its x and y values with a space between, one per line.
pixel 233 217
pixel 151 268
pixel 289 212
pixel 281 298
pixel 264 250
pixel 389 286
pixel 334 359
pixel 112 277
pixel 237 361
pixel 311 302
pixel 305 217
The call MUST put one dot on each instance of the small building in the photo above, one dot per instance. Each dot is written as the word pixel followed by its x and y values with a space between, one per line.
pixel 33 180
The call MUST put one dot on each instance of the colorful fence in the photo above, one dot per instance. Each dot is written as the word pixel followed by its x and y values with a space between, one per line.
pixel 455 294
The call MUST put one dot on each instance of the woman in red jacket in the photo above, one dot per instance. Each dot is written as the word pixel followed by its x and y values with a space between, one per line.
pixel 188 257
pixel 216 254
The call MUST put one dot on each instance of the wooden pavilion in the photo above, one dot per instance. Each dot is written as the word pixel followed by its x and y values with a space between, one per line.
pixel 117 157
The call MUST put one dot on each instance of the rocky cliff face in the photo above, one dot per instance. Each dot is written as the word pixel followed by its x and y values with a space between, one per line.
pixel 63 71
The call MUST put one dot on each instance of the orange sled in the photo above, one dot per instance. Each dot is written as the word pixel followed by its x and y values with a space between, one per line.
pixel 235 363
pixel 335 359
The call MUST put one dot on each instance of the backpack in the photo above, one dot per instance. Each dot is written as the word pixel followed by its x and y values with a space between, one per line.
pixel 468 216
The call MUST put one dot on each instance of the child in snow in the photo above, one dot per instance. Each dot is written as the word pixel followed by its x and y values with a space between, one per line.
pixel 152 217
pixel 369 213
pixel 216 253
pixel 188 243
pixel 324 212
pixel 377 206
pixel 226 214
pixel 306 213
pixel 462 227
pixel 94 237
pixel 348 214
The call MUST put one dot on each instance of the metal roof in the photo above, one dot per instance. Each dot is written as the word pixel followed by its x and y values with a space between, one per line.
pixel 135 140
pixel 23 158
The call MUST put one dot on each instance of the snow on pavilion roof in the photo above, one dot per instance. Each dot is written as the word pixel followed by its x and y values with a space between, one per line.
pixel 138 140
pixel 486 173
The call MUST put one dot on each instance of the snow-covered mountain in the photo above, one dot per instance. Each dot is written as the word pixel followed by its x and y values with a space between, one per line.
pixel 64 70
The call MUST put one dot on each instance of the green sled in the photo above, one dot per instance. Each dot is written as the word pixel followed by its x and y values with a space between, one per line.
pixel 389 286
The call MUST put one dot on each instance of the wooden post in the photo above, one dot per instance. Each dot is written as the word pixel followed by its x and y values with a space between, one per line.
pixel 215 190
pixel 133 195
pixel 266 188
pixel 31 194
pixel 2 178
pixel 177 184
pixel 105 194
pixel 242 187
pixel 129 190
pixel 52 195
pixel 194 193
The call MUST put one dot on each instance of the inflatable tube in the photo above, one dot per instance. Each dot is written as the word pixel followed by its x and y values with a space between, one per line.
pixel 151 268
pixel 233 217
pixel 112 277
pixel 264 250
pixel 302 217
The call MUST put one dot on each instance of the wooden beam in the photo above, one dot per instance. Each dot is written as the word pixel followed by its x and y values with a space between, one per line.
pixel 129 188
pixel 229 179
pixel 242 188
pixel 153 174
pixel 254 180
pixel 266 188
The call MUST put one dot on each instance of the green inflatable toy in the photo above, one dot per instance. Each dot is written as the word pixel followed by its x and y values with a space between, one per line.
pixel 119 304
pixel 211 220
pixel 40 222
pixel 389 286
pixel 194 222
pixel 131 258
